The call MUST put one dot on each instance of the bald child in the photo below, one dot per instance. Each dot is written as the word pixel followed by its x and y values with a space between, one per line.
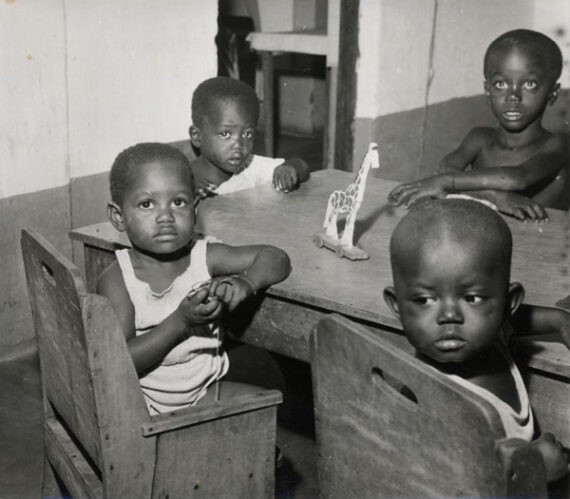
pixel 452 292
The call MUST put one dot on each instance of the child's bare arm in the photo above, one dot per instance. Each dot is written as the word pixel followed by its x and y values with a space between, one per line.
pixel 289 174
pixel 533 319
pixel 149 349
pixel 439 184
pixel 206 178
pixel 542 167
pixel 466 153
pixel 245 270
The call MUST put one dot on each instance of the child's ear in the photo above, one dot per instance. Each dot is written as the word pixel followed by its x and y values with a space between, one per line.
pixel 516 296
pixel 390 299
pixel 554 94
pixel 487 88
pixel 195 136
pixel 115 216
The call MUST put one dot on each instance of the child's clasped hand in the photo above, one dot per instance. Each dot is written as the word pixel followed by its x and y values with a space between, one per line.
pixel 200 307
pixel 205 303
pixel 285 177
pixel 231 290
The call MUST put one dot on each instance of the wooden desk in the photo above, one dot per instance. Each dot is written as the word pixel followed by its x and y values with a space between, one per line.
pixel 321 283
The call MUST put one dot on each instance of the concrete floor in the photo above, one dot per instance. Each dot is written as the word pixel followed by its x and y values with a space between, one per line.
pixel 21 434
pixel 20 428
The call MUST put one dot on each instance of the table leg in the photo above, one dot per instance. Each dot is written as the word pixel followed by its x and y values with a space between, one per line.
pixel 284 326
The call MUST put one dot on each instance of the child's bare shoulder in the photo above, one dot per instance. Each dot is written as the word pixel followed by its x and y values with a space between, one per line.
pixel 111 279
pixel 477 139
pixel 198 165
pixel 559 143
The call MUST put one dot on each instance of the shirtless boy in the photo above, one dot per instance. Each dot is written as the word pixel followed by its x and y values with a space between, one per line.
pixel 518 165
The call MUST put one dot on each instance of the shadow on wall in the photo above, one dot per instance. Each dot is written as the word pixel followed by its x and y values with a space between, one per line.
pixel 412 143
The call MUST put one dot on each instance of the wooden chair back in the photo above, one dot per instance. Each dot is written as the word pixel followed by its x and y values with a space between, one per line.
pixel 389 425
pixel 99 439
pixel 89 385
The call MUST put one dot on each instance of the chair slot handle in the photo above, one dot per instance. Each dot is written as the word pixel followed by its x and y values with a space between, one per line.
pixel 394 388
pixel 48 274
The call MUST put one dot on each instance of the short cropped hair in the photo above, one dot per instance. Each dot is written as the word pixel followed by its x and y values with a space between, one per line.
pixel 135 156
pixel 549 51
pixel 221 88
pixel 465 220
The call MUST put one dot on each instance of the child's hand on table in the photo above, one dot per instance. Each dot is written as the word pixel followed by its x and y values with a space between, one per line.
pixel 520 207
pixel 555 460
pixel 231 290
pixel 285 177
pixel 406 194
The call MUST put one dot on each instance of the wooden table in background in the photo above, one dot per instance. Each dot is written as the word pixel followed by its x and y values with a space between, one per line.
pixel 321 283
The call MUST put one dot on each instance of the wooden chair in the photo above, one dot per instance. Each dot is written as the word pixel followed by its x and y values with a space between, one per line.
pixel 99 439
pixel 389 425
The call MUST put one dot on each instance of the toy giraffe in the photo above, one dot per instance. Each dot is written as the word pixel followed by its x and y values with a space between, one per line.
pixel 347 201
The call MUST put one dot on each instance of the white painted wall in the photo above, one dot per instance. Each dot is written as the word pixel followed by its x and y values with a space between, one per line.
pixel 395 38
pixel 33 133
pixel 553 19
pixel 133 65
pixel 81 80
pixel 392 67
pixel 464 30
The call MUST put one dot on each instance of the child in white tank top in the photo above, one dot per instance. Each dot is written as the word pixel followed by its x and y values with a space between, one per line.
pixel 170 288
pixel 452 293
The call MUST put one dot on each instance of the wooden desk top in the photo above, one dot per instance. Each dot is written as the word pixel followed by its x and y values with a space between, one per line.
pixel 320 278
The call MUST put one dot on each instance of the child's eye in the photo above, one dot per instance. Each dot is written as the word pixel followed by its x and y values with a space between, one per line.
pixel 225 134
pixel 500 85
pixel 145 205
pixel 530 85
pixel 248 135
pixel 474 299
pixel 423 300
pixel 179 203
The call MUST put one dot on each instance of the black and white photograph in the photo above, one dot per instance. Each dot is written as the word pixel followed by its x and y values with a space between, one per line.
pixel 291 249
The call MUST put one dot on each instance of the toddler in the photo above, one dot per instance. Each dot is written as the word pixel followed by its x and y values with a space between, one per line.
pixel 452 293
pixel 170 288
pixel 518 165
pixel 224 122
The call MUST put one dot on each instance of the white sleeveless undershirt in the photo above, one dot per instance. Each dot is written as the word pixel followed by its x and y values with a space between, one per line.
pixel 258 172
pixel 517 424
pixel 188 369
